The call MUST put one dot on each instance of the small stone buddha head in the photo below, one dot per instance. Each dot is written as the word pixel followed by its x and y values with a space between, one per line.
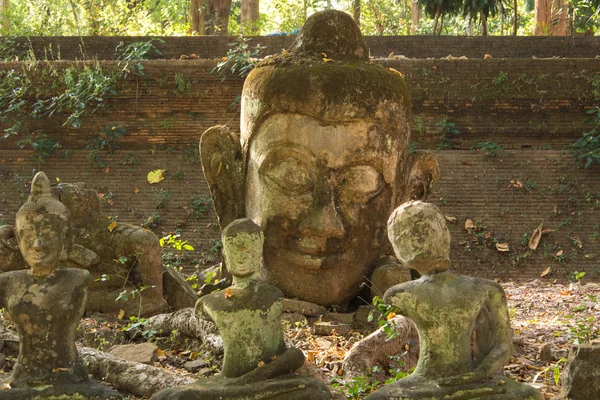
pixel 420 237
pixel 321 161
pixel 242 248
pixel 43 229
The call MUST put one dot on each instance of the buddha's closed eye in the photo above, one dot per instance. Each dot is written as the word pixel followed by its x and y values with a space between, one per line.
pixel 360 184
pixel 288 175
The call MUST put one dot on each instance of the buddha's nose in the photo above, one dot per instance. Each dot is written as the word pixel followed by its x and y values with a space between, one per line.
pixel 323 220
pixel 37 243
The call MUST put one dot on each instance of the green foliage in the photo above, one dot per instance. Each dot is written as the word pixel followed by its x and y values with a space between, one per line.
pixel 240 59
pixel 137 51
pixel 162 197
pixel 489 148
pixel 139 327
pixel 42 145
pixel 586 149
pixel 85 92
pixel 175 242
pixel 386 314
pixel 446 128
pixel 200 206
pixel 360 386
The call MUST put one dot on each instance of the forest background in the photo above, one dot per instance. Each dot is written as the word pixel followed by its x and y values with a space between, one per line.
pixel 281 17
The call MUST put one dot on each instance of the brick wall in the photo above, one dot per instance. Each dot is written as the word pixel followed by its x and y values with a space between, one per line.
pixel 211 47
pixel 532 108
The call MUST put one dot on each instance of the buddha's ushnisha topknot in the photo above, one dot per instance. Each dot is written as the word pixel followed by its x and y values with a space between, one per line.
pixel 40 199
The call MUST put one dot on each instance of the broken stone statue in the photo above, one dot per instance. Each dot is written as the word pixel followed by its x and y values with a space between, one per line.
pixel 256 363
pixel 464 329
pixel 321 162
pixel 124 257
pixel 46 303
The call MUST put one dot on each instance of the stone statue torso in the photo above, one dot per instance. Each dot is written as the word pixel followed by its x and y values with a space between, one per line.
pixel 249 321
pixel 444 307
pixel 46 312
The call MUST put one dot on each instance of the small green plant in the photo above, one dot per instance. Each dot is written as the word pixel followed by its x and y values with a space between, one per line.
pixel 191 154
pixel 446 128
pixel 183 85
pixel 152 222
pixel 175 242
pixel 490 149
pixel 162 197
pixel 139 326
pixel 200 206
pixel 586 149
pixel 386 314
pixel 240 59
pixel 42 146
pixel 108 139
pixel 137 51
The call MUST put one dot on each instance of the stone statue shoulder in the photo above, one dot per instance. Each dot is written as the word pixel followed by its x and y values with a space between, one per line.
pixel 256 296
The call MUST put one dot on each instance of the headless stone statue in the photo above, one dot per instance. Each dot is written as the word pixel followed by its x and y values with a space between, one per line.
pixel 46 303
pixel 463 324
pixel 256 363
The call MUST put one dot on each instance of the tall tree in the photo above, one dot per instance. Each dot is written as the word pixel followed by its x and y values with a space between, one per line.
pixel 209 17
pixel 356 11
pixel 550 17
pixel 482 9
pixel 437 9
pixel 415 16
pixel 250 14
pixel 4 20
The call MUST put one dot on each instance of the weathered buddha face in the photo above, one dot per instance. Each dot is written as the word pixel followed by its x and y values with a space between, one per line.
pixel 322 194
pixel 242 253
pixel 41 239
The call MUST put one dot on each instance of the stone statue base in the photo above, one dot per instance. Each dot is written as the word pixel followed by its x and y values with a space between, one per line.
pixel 497 388
pixel 87 390
pixel 288 387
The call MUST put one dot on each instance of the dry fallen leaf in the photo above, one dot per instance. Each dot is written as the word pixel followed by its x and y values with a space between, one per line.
pixel 502 247
pixel 577 241
pixel 535 238
pixel 261 364
pixel 6 386
pixel 59 369
pixel 121 314
pixel 559 253
pixel 109 201
pixel 228 293
pixel 136 190
pixel 396 71
pixel 565 293
pixel 160 353
pixel 106 170
pixel 450 219
pixel 469 225
pixel 391 315
pixel 112 226
pixel 546 272
pixel 158 175
pixel 327 60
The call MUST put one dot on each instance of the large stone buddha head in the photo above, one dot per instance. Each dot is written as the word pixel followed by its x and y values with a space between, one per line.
pixel 321 161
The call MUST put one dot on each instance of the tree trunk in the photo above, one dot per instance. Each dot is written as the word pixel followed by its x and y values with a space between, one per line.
pixel 515 18
pixel 356 12
pixel 483 24
pixel 197 17
pixel 220 17
pixel 376 349
pixel 436 19
pixel 250 14
pixel 550 18
pixel 4 20
pixel 441 24
pixel 137 379
pixel 415 16
pixel 186 323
